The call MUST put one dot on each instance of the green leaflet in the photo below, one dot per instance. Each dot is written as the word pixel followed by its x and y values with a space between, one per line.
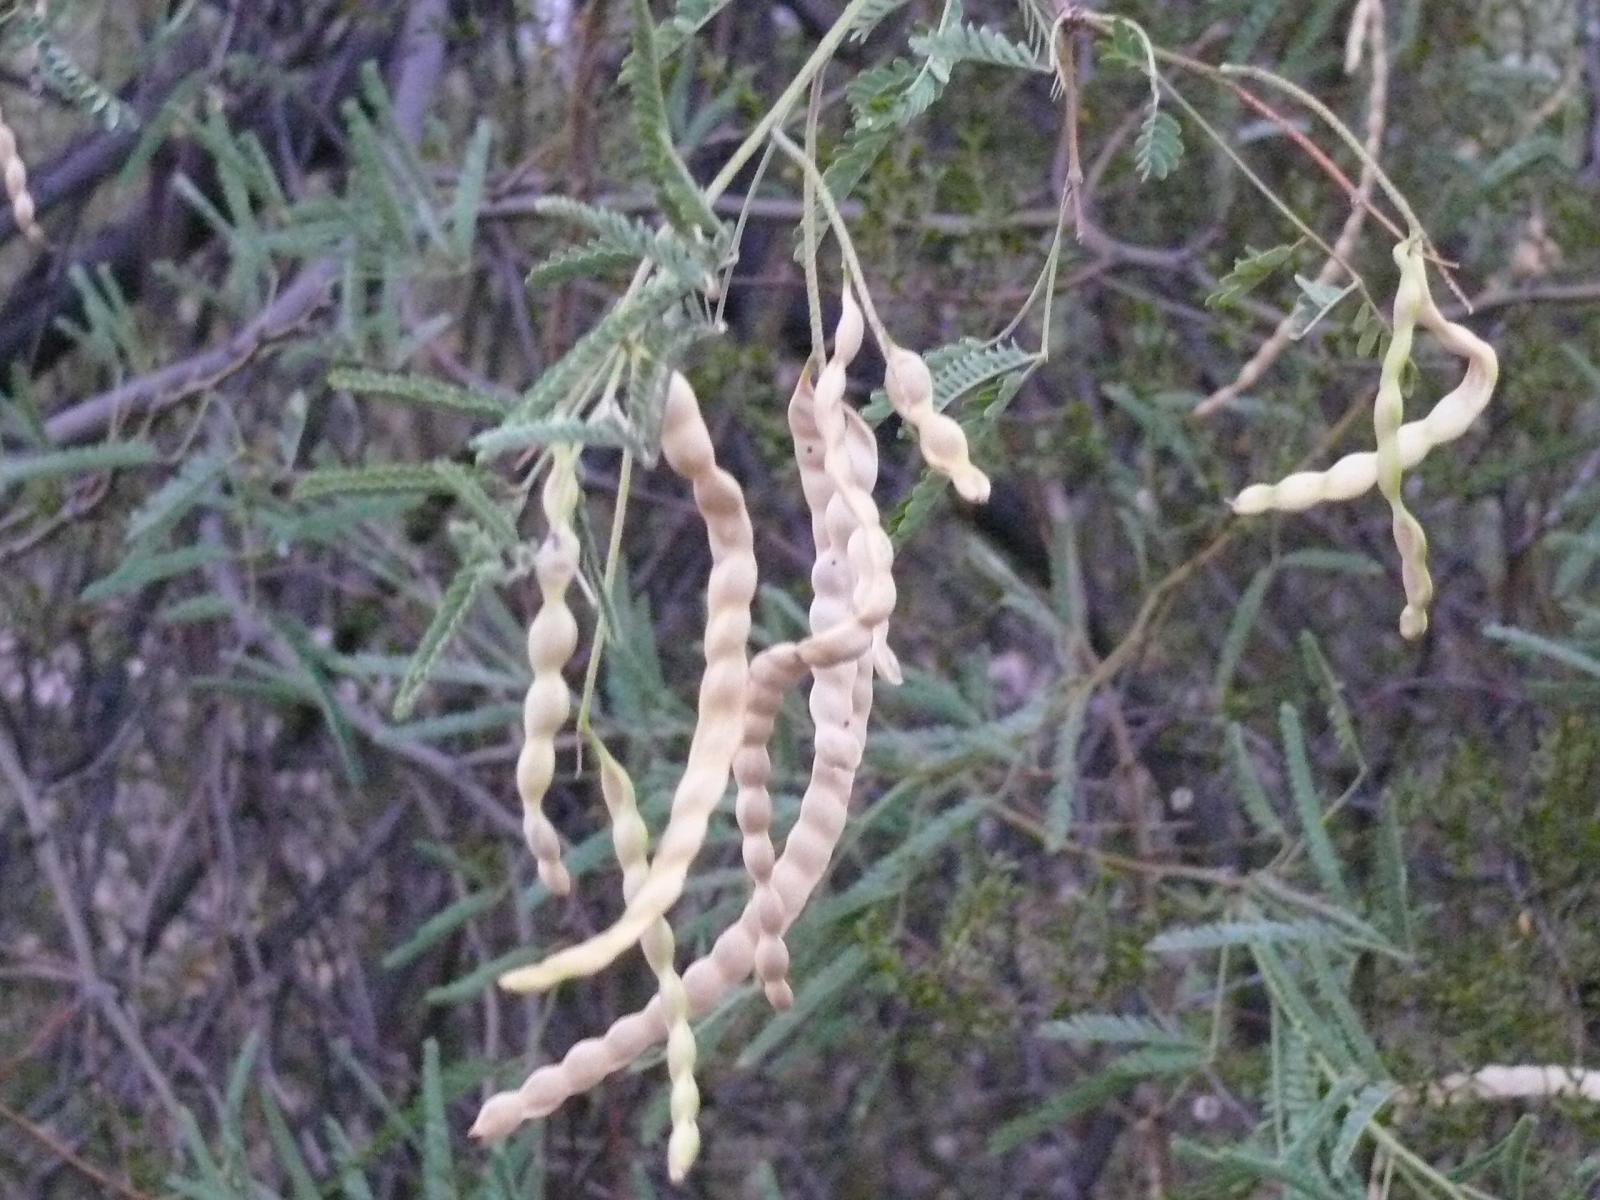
pixel 1535 644
pixel 1249 273
pixel 175 498
pixel 594 258
pixel 1114 1029
pixel 443 923
pixel 1362 1112
pixel 578 371
pixel 1315 301
pixel 438 1167
pixel 1332 691
pixel 621 241
pixel 871 16
pixel 439 477
pixel 678 194
pixel 103 456
pixel 1219 934
pixel 452 610
pixel 1159 146
pixel 1252 1164
pixel 379 478
pixel 687 19
pixel 1239 629
pixel 979 44
pixel 469 191
pixel 65 77
pixel 519 435
pixel 1251 794
pixel 1063 799
pixel 137 570
pixel 415 389
pixel 1115 1078
pixel 1319 847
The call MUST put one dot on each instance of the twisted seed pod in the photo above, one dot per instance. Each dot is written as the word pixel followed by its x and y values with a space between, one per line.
pixel 777 669
pixel 15 173
pixel 1355 474
pixel 861 450
pixel 1388 413
pixel 856 558
pixel 910 387
pixel 850 456
pixel 552 637
pixel 631 839
pixel 686 444
pixel 772 673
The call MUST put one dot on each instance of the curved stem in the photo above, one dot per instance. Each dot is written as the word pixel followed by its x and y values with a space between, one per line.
pixel 1343 132
pixel 786 100
pixel 808 225
pixel 846 246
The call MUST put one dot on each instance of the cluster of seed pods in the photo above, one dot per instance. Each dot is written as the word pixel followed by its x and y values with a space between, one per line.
pixel 845 648
pixel 1400 446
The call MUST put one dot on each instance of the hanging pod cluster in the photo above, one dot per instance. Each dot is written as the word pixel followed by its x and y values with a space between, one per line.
pixel 1400 444
pixel 847 646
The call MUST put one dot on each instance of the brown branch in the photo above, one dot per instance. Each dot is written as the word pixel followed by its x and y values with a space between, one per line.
pixel 110 1183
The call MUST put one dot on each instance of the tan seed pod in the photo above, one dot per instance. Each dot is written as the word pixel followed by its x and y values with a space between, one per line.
pixel 909 385
pixel 686 445
pixel 15 173
pixel 631 839
pixel 777 669
pixel 853 558
pixel 552 638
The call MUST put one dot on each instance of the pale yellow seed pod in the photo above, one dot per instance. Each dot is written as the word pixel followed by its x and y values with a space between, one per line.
pixel 1388 414
pixel 909 385
pixel 1401 445
pixel 14 173
pixel 850 330
pixel 552 639
pixel 686 445
pixel 631 840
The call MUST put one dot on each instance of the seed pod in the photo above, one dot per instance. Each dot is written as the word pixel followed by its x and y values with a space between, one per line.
pixel 552 638
pixel 15 173
pixel 686 444
pixel 631 839
pixel 1388 414
pixel 1401 446
pixel 909 385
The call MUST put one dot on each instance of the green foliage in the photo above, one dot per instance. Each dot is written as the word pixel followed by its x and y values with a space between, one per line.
pixel 447 618
pixel 1249 273
pixel 1159 146
pixel 976 44
pixel 676 191
pixel 105 456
